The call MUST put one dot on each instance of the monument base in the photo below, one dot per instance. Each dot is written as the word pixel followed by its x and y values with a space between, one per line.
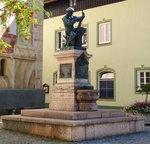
pixel 74 126
pixel 73 114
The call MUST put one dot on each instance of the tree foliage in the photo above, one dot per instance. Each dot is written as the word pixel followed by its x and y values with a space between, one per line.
pixel 23 11
pixel 145 89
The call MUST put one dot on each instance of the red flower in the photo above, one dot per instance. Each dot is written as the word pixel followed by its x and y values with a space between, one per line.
pixel 26 38
pixel 21 19
pixel 32 13
pixel 7 31
pixel 4 51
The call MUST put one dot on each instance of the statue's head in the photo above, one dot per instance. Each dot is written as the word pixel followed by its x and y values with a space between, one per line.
pixel 70 11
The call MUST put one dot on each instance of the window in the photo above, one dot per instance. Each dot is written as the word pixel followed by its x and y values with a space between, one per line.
pixel 2 67
pixel 54 78
pixel 106 84
pixel 143 77
pixel 104 32
pixel 61 40
pixel 84 38
pixel 73 3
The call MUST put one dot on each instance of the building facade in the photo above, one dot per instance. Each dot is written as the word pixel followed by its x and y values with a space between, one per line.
pixel 117 36
pixel 21 66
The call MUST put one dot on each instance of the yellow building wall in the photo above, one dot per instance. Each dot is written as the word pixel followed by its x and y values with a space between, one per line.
pixel 129 50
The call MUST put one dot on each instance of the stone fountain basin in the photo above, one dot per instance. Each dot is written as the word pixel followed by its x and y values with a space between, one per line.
pixel 87 100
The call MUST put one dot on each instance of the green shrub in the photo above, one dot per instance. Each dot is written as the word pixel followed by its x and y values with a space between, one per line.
pixel 145 89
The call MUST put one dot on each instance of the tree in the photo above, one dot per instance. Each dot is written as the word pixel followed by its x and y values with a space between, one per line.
pixel 23 11
pixel 145 89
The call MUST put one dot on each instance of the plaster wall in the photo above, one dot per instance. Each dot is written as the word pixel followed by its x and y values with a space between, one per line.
pixel 130 47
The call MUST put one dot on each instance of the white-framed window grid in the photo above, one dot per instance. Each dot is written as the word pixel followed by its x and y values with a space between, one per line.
pixel 104 32
pixel 143 77
pixel 61 40
pixel 84 38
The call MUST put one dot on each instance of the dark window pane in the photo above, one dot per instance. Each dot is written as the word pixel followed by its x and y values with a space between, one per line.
pixel 142 80
pixel 2 67
pixel 59 39
pixel 103 84
pixel 141 74
pixel 110 93
pixel 147 80
pixel 102 93
pixel 106 85
pixel 147 74
pixel 110 84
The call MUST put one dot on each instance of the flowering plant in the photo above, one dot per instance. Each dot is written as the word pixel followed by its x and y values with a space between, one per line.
pixel 139 108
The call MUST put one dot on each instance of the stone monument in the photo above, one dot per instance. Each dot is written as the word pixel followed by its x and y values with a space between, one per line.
pixel 73 113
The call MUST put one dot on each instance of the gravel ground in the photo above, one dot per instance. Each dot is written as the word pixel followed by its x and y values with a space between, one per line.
pixel 10 137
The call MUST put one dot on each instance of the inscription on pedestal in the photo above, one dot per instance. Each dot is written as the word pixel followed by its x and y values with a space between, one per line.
pixel 82 67
pixel 65 70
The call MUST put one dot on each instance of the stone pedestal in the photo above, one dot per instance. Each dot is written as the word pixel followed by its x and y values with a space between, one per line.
pixel 72 78
pixel 73 113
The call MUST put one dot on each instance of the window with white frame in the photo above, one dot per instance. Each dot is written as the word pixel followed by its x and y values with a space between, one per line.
pixel 143 77
pixel 61 39
pixel 104 32
pixel 84 38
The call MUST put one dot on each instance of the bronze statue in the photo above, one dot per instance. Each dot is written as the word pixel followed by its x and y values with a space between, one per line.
pixel 73 35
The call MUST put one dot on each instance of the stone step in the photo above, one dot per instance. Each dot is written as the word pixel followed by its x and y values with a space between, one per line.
pixel 68 115
pixel 74 130
pixel 20 118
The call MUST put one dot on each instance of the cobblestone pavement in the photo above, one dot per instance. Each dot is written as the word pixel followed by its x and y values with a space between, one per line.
pixel 10 137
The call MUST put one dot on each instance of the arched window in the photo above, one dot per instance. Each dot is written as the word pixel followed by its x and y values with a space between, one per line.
pixel 2 67
pixel 106 84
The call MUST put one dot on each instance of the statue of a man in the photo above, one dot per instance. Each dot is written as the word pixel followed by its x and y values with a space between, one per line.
pixel 73 35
